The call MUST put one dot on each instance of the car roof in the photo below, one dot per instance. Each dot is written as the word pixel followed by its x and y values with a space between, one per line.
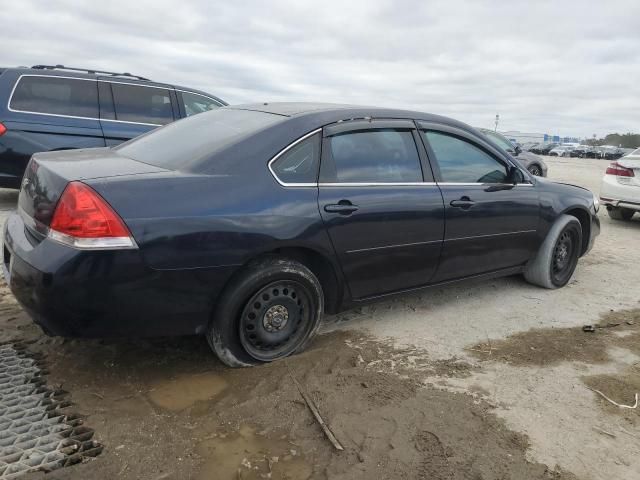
pixel 344 112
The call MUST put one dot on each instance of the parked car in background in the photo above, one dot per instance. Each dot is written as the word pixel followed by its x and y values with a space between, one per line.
pixel 611 153
pixel 246 223
pixel 535 148
pixel 560 151
pixel 46 108
pixel 533 163
pixel 543 148
pixel 593 152
pixel 580 151
pixel 620 190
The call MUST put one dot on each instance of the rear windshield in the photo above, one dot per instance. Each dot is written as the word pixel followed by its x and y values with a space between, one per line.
pixel 192 139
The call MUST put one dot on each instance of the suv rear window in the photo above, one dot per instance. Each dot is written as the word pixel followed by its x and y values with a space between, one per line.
pixel 195 138
pixel 57 96
pixel 142 104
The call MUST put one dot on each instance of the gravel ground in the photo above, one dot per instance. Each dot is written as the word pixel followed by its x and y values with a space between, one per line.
pixel 478 380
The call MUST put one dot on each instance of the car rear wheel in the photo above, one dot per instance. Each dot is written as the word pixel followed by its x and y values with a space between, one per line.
pixel 618 213
pixel 555 262
pixel 271 310
pixel 535 170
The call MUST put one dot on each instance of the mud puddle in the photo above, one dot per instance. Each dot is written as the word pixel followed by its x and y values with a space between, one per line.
pixel 248 455
pixel 179 393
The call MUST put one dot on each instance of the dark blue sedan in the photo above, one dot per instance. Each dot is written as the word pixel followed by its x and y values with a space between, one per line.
pixel 246 223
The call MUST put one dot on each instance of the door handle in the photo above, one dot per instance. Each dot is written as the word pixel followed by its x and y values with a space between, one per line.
pixel 343 207
pixel 464 203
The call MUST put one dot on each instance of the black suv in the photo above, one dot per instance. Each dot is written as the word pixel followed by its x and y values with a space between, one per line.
pixel 46 108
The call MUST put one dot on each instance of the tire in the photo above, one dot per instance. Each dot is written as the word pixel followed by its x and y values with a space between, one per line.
pixel 535 170
pixel 618 213
pixel 271 310
pixel 556 260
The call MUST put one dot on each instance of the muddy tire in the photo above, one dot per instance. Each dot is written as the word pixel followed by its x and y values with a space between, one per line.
pixel 556 260
pixel 617 213
pixel 271 310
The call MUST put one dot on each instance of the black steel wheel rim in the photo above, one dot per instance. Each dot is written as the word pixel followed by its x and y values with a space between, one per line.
pixel 535 171
pixel 564 255
pixel 276 320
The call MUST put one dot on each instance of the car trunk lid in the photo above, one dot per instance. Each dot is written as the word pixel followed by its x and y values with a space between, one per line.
pixel 634 164
pixel 48 174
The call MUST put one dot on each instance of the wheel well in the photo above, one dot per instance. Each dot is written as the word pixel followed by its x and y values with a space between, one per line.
pixel 585 222
pixel 321 267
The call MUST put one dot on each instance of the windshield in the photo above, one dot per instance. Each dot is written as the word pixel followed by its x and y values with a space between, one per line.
pixel 635 153
pixel 194 138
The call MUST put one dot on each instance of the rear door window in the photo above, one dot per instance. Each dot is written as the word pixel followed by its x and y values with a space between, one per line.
pixel 372 156
pixel 195 103
pixel 56 96
pixel 141 104
pixel 462 162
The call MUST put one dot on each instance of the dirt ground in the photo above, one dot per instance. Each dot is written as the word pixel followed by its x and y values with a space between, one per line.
pixel 491 380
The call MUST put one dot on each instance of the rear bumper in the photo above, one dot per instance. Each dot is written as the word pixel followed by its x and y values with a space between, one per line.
pixel 105 293
pixel 615 194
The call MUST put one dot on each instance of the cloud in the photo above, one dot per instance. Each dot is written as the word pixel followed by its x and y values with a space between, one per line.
pixel 567 68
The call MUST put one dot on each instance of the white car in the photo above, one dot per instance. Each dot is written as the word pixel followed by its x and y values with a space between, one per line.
pixel 620 191
pixel 561 151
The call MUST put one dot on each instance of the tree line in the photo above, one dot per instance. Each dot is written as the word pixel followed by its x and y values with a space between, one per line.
pixel 625 140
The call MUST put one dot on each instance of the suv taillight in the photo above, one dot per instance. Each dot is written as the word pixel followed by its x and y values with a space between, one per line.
pixel 3 129
pixel 83 219
pixel 619 171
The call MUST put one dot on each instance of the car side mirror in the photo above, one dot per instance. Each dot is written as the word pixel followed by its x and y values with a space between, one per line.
pixel 515 175
pixel 518 150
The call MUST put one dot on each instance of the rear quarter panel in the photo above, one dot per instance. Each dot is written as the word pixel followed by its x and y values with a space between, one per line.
pixel 191 221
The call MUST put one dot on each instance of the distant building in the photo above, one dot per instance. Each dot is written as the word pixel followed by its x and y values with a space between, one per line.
pixel 522 137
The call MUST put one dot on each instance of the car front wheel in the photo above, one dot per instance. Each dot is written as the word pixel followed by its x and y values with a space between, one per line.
pixel 556 260
pixel 535 170
pixel 270 310
pixel 618 213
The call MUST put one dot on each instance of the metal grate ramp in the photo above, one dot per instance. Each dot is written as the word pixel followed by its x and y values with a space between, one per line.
pixel 35 431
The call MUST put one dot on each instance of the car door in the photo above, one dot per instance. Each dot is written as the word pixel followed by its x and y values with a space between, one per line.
pixel 491 223
pixel 382 210
pixel 128 110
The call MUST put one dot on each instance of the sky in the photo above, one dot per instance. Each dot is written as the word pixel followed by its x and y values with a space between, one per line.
pixel 560 67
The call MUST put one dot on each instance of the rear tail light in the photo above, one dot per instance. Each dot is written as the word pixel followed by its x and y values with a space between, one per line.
pixel 83 219
pixel 619 171
pixel 3 129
